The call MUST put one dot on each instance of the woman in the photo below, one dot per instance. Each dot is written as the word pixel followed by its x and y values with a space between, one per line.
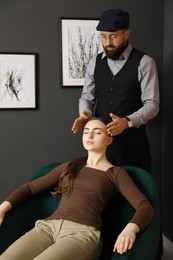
pixel 87 185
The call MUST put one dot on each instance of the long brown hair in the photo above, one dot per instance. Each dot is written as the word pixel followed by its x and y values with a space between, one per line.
pixel 67 178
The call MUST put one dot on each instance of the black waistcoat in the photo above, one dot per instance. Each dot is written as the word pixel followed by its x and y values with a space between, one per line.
pixel 120 93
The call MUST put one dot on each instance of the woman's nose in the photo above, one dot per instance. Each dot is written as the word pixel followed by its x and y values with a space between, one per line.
pixel 91 135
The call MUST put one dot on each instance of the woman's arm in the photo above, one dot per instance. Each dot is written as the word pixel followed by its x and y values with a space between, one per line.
pixel 138 200
pixel 35 187
pixel 4 207
pixel 142 216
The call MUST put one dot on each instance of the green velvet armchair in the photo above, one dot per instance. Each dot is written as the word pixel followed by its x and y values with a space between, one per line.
pixel 22 219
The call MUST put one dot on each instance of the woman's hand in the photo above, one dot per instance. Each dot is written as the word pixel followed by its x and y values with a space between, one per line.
pixel 4 207
pixel 126 238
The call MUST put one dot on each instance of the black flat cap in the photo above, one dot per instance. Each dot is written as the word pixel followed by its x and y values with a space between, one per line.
pixel 113 20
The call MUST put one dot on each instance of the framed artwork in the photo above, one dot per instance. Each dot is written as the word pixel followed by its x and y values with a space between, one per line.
pixel 17 80
pixel 79 42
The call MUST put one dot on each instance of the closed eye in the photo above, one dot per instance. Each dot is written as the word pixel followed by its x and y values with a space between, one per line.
pixel 98 133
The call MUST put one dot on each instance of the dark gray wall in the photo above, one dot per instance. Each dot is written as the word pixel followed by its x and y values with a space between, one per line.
pixel 31 139
pixel 167 178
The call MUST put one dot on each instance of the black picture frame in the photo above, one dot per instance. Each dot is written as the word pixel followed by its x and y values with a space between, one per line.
pixel 79 42
pixel 18 80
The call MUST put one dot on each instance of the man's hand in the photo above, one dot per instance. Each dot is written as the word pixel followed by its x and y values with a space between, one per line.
pixel 126 238
pixel 117 126
pixel 80 122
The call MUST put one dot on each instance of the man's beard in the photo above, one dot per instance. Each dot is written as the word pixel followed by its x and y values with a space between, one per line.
pixel 115 53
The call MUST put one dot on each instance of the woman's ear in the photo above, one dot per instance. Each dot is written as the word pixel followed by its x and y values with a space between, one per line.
pixel 110 140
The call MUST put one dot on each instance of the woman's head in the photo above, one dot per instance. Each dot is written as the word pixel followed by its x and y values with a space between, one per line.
pixel 95 135
pixel 95 138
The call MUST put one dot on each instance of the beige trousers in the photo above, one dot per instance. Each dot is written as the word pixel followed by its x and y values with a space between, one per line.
pixel 56 240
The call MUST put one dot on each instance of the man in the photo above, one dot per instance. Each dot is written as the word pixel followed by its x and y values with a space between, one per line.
pixel 121 85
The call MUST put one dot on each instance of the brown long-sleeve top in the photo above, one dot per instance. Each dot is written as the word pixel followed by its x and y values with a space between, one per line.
pixel 93 189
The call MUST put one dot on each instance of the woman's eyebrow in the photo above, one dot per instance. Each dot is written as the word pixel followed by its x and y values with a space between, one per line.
pixel 95 128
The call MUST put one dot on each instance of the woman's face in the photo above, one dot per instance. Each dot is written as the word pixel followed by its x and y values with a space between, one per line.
pixel 95 136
